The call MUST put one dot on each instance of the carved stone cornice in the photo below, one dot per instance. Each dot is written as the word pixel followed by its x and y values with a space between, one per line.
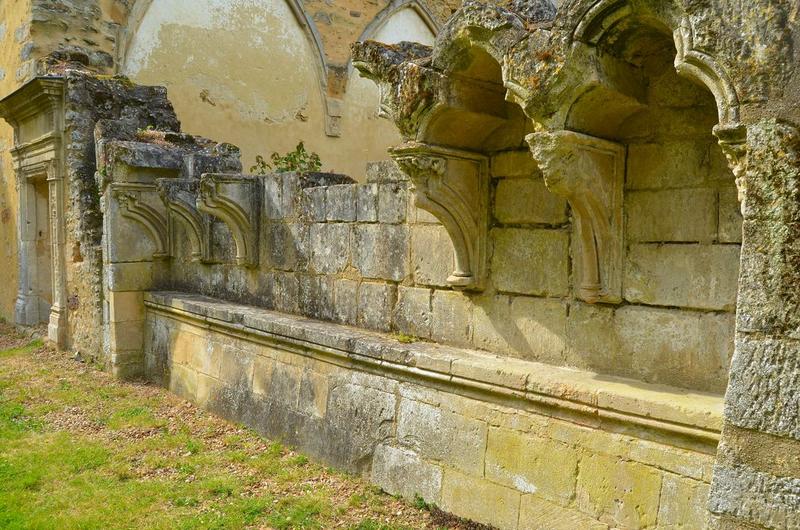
pixel 133 206
pixel 590 174
pixel 235 199
pixel 453 185
pixel 179 197
pixel 40 95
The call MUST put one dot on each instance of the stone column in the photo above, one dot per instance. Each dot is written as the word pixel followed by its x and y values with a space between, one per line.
pixel 57 323
pixel 757 474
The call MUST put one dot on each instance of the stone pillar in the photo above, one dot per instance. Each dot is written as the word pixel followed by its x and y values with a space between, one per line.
pixel 57 320
pixel 757 474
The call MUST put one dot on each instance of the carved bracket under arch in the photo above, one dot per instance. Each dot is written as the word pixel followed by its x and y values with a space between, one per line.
pixel 590 174
pixel 133 205
pixel 235 199
pixel 179 196
pixel 453 185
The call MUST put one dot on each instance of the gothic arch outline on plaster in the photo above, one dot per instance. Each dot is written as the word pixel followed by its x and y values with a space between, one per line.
pixel 382 18
pixel 307 25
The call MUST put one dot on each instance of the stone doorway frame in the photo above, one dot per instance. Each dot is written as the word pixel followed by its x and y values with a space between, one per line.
pixel 35 112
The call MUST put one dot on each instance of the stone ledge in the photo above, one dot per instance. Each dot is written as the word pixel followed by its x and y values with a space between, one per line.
pixel 583 397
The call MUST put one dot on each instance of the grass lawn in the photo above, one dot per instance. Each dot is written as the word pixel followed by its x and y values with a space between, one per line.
pixel 79 450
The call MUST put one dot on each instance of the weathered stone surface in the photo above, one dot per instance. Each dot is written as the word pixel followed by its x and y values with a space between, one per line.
pixel 287 246
pixel 659 343
pixel 531 261
pixel 432 255
pixel 532 328
pixel 313 202
pixel 683 503
pixel 510 164
pixel 316 296
pixel 413 312
pixel 362 418
pixel 539 514
pixel 392 203
pixel 137 276
pixel 532 465
pixel 367 203
pixel 619 493
pixel 346 301
pixel 528 201
pixel 480 500
pixel 375 302
pixel 386 170
pixel 402 472
pixel 341 203
pixel 436 434
pixel 648 168
pixel 702 277
pixel 730 216
pixel 379 251
pixel 762 390
pixel 687 215
pixel 277 381
pixel 330 247
pixel 452 318
pixel 592 341
pixel 746 493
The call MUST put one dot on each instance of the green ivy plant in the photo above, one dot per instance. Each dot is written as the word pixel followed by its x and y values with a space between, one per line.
pixel 299 160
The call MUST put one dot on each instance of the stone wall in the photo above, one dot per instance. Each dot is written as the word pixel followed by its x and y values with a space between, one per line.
pixel 515 444
pixel 363 255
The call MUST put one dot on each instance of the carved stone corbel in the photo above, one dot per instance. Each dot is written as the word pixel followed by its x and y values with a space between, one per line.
pixel 235 199
pixel 453 185
pixel 589 173
pixel 133 206
pixel 179 196
pixel 733 142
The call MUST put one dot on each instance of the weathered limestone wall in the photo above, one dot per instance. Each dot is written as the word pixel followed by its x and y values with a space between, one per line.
pixel 515 444
pixel 363 255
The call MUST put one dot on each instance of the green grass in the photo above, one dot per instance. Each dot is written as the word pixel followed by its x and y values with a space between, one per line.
pixel 79 450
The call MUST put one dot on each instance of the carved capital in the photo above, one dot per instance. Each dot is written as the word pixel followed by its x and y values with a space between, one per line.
pixel 733 141
pixel 589 173
pixel 453 185
pixel 420 167
pixel 134 207
pixel 235 199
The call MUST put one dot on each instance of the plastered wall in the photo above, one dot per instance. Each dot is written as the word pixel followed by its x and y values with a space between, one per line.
pixel 259 86
pixel 13 32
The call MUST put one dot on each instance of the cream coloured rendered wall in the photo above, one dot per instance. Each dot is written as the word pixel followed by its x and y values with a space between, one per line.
pixel 362 125
pixel 244 72
pixel 13 32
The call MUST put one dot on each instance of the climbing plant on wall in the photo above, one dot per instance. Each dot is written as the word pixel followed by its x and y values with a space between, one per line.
pixel 298 160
